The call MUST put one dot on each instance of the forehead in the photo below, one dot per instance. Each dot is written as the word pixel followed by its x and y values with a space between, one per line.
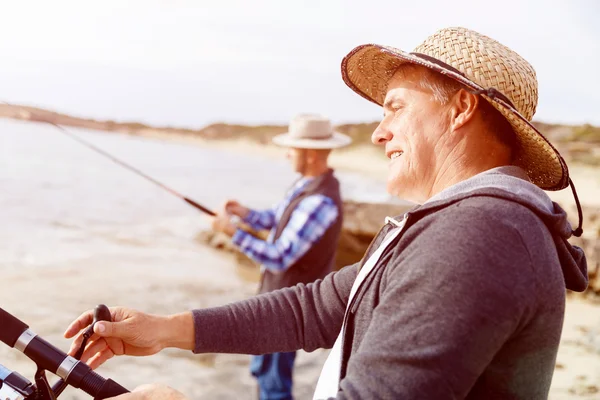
pixel 408 77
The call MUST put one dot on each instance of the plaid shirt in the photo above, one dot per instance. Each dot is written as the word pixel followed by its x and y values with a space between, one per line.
pixel 307 224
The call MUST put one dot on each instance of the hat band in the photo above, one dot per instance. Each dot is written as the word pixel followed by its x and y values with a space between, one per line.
pixel 313 137
pixel 490 92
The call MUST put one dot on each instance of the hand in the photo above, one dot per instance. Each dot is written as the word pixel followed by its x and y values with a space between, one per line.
pixel 222 223
pixel 152 392
pixel 232 207
pixel 131 333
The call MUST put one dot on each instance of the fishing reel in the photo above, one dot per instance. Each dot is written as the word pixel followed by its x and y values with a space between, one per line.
pixel 13 386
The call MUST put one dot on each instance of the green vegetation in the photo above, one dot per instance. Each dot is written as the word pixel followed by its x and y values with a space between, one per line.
pixel 586 133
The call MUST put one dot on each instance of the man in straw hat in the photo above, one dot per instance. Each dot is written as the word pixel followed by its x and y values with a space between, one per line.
pixel 462 297
pixel 304 231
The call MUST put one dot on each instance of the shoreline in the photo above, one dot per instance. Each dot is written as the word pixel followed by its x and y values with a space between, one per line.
pixel 369 162
pixel 373 164
pixel 366 160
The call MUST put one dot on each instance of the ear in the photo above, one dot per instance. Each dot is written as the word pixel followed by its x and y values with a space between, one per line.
pixel 463 108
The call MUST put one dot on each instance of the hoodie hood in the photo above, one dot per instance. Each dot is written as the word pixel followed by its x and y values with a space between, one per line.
pixel 511 183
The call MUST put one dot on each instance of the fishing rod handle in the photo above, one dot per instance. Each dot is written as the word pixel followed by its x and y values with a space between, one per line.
pixel 17 334
pixel 199 206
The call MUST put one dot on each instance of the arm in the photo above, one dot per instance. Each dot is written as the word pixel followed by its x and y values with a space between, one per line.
pixel 305 316
pixel 308 223
pixel 264 219
pixel 301 317
pixel 447 308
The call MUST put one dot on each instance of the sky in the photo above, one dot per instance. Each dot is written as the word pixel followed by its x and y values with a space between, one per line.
pixel 190 63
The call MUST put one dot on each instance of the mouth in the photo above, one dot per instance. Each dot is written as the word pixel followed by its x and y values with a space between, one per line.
pixel 395 154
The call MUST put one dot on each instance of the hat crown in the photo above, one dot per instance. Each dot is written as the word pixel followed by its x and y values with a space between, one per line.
pixel 310 126
pixel 486 62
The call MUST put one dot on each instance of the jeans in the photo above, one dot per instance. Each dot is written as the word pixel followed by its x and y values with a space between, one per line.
pixel 274 375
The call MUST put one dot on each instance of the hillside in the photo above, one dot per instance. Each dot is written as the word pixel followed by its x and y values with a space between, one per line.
pixel 580 143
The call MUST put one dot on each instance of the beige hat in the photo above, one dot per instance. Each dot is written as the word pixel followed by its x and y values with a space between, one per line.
pixel 309 131
pixel 487 67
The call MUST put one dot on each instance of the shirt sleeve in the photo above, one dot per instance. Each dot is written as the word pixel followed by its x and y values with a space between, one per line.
pixel 304 317
pixel 308 223
pixel 263 219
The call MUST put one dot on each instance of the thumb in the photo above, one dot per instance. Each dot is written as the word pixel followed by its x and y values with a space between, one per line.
pixel 111 329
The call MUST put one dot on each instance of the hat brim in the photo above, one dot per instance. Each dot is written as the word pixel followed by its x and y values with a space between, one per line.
pixel 337 140
pixel 368 69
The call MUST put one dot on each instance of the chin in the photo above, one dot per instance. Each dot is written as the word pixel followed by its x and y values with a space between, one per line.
pixel 396 188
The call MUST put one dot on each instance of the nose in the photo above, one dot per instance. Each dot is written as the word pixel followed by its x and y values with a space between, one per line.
pixel 288 154
pixel 381 135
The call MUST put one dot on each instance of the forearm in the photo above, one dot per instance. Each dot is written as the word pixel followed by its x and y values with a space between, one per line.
pixel 302 317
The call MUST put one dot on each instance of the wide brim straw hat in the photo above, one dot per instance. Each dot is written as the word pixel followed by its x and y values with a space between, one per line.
pixel 311 131
pixel 484 66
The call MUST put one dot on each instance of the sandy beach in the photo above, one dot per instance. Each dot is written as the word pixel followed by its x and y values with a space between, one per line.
pixel 49 299
pixel 64 291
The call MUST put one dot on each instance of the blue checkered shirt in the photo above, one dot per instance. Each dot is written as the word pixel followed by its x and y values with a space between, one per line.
pixel 307 224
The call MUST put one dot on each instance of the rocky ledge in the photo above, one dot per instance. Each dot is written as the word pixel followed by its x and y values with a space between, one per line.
pixel 362 221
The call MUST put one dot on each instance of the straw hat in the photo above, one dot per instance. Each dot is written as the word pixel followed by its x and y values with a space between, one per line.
pixel 487 67
pixel 309 131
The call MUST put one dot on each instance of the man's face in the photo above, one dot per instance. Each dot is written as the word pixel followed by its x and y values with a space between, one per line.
pixel 412 133
pixel 297 158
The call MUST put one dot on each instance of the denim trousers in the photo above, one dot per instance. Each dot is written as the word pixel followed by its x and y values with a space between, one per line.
pixel 274 375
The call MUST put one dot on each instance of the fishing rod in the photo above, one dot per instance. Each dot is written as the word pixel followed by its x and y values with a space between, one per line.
pixel 237 221
pixel 136 171
pixel 133 169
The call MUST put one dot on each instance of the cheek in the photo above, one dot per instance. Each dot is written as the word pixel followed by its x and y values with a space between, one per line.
pixel 420 141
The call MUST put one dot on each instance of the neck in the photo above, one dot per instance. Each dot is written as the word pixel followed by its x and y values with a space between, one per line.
pixel 315 170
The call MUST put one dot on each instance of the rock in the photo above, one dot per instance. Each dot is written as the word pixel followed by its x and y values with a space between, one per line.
pixel 583 389
pixel 362 221
pixel 591 247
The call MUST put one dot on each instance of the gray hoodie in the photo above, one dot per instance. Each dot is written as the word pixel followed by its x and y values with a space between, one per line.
pixel 468 302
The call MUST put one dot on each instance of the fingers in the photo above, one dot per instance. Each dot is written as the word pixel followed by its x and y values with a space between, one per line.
pixel 76 344
pixel 93 347
pixel 80 323
pixel 100 358
pixel 232 207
